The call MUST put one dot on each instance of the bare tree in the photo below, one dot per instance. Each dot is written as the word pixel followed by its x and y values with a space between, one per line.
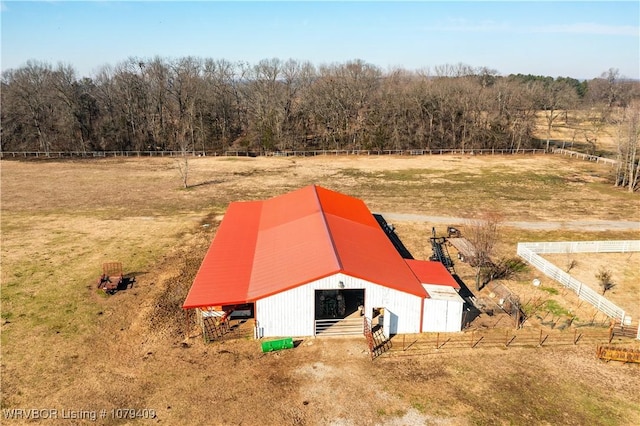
pixel 223 101
pixel 519 108
pixel 609 89
pixel 597 119
pixel 570 261
pixel 628 149
pixel 31 105
pixel 326 106
pixel 557 96
pixel 182 164
pixel 265 103
pixel 483 234
pixel 194 104
pixel 184 91
pixel 605 279
pixel 157 75
pixel 132 98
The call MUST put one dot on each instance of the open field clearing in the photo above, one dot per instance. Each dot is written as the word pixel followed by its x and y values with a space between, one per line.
pixel 575 127
pixel 67 346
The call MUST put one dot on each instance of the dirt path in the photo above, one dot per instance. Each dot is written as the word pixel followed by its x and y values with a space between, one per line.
pixel 573 225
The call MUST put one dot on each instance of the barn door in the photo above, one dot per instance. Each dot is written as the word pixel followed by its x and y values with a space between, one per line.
pixel 386 323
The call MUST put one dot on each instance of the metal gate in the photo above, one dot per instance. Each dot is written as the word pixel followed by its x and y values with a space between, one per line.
pixel 338 327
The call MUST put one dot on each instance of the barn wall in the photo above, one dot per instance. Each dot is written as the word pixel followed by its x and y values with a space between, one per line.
pixel 291 313
pixel 435 315
pixel 442 315
pixel 454 316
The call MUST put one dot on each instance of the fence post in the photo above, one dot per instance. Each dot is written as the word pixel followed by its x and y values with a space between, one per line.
pixel 611 332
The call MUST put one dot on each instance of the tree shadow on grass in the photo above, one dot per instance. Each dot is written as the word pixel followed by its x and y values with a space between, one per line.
pixel 206 183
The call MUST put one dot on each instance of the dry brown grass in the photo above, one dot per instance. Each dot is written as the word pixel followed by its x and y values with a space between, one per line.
pixel 575 128
pixel 625 273
pixel 66 346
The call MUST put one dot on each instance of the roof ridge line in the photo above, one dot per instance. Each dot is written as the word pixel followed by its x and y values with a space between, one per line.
pixel 326 227
pixel 255 247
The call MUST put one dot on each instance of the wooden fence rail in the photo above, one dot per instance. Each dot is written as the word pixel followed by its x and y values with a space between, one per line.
pixel 433 343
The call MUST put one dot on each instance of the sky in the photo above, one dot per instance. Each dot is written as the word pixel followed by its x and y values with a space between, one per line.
pixel 579 39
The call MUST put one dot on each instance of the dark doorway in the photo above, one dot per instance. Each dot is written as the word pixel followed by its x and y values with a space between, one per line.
pixel 239 311
pixel 339 304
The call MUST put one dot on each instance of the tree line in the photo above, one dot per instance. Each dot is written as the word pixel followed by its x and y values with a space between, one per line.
pixel 207 105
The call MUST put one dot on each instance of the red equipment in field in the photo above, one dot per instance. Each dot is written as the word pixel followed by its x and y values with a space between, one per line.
pixel 112 278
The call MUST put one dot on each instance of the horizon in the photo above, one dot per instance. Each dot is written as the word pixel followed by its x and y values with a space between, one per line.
pixel 573 39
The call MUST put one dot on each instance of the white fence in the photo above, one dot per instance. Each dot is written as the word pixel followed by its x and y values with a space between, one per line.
pixel 584 247
pixel 585 156
pixel 530 251
pixel 286 153
pixel 304 153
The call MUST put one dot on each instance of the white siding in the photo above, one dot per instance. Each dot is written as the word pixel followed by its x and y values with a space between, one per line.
pixel 454 316
pixel 291 313
pixel 442 315
pixel 443 310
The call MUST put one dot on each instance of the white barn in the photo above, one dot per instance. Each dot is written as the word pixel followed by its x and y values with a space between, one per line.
pixel 305 261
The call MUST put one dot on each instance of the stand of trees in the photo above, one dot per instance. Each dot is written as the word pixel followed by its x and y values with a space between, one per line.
pixel 205 105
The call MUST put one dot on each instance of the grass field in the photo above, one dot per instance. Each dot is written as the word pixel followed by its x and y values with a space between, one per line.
pixel 576 127
pixel 66 346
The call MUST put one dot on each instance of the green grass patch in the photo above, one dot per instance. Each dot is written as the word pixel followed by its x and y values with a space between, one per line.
pixel 419 406
pixel 607 411
pixel 549 290
pixel 554 308
pixel 355 173
pixel 415 176
pixel 535 398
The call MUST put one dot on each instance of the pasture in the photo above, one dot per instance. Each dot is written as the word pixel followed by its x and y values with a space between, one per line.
pixel 67 346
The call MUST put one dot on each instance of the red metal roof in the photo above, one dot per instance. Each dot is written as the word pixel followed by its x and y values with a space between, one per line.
pixel 225 272
pixel 266 247
pixel 431 272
